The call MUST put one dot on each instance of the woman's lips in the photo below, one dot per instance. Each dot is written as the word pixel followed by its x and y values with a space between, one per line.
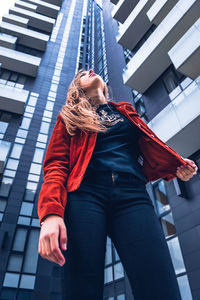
pixel 93 74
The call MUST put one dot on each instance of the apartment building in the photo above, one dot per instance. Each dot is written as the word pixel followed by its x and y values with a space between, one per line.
pixel 42 45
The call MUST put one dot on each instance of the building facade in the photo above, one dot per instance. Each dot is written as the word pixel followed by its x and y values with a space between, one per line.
pixel 42 46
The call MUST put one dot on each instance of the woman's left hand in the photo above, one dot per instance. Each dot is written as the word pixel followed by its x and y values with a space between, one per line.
pixel 188 171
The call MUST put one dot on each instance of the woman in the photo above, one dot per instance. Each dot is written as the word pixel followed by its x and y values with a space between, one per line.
pixel 99 159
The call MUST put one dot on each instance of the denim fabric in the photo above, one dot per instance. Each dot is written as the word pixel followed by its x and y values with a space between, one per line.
pixel 118 206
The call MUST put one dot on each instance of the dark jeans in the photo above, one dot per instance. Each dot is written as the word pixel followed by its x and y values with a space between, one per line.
pixel 122 209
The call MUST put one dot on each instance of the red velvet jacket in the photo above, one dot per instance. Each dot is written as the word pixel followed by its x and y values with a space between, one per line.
pixel 67 158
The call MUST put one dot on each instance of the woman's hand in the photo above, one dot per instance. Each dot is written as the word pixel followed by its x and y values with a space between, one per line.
pixel 188 171
pixel 48 248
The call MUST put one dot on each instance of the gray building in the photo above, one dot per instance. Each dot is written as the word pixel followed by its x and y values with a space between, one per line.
pixel 143 61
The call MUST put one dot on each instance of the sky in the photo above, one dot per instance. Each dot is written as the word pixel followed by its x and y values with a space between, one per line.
pixel 4 7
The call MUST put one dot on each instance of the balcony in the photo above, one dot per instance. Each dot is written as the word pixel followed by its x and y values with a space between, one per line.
pixel 4 150
pixel 19 62
pixel 113 1
pixel 26 37
pixel 15 20
pixel 36 20
pixel 159 10
pixel 45 8
pixel 185 55
pixel 152 59
pixel 25 5
pixel 13 99
pixel 135 26
pixel 123 9
pixel 7 41
pixel 179 122
pixel 56 2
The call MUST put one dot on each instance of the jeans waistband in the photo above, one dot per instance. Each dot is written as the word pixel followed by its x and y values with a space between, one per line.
pixel 108 177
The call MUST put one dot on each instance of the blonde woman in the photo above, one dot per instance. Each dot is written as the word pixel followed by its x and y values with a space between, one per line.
pixel 99 159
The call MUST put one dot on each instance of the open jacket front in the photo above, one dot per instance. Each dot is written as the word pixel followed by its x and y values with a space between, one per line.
pixel 67 158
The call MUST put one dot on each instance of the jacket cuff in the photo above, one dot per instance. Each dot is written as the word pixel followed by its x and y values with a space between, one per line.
pixel 52 200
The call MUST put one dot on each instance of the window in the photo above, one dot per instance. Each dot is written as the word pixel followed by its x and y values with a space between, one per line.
pixel 31 256
pixel 161 199
pixel 20 239
pixel 108 259
pixel 35 168
pixel 176 255
pixel 15 262
pixel 27 281
pixel 26 209
pixel 11 280
pixel 16 151
pixel 12 164
pixel 44 128
pixel 118 270
pixel 38 155
pixel 25 123
pixel 108 275
pixel 184 288
pixel 168 226
pixel 5 186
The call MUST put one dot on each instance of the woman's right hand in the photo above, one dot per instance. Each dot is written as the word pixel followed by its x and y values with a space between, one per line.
pixel 53 228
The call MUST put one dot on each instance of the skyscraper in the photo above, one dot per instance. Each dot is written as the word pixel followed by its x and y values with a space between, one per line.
pixel 42 45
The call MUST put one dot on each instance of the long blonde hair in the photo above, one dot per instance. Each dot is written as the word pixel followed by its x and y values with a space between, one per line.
pixel 78 112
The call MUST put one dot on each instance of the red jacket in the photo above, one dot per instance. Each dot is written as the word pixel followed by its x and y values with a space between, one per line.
pixel 67 158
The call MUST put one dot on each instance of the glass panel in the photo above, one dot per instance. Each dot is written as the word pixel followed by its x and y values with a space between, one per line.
pixel 3 127
pixel 108 276
pixel 49 105
pixel 118 271
pixel 15 262
pixel 3 205
pixel 32 101
pixel 5 186
pixel 25 123
pixel 20 239
pixel 161 198
pixel 12 164
pixel 31 257
pixel 184 288
pixel 44 127
pixel 26 209
pixel 176 255
pixel 42 138
pixel 35 168
pixel 4 149
pixel 11 280
pixel 168 226
pixel 22 133
pixel 27 282
pixel 121 297
pixel 16 150
pixel 38 155
pixel 116 255
pixel 108 252
pixel 24 220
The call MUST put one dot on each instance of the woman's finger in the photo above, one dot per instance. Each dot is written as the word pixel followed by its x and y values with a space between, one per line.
pixel 48 253
pixel 55 249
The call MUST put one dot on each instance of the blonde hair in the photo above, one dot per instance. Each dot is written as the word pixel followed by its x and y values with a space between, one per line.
pixel 78 112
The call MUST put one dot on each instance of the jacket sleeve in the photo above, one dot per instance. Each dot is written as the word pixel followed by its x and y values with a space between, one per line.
pixel 53 194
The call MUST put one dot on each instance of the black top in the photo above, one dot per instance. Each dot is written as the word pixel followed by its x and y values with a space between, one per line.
pixel 117 148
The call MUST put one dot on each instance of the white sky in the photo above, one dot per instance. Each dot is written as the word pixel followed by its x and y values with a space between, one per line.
pixel 4 7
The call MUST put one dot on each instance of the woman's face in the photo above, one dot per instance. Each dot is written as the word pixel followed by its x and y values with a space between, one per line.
pixel 89 81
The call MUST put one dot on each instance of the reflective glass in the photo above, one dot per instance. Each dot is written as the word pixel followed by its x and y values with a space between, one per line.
pixel 22 133
pixel 118 271
pixel 42 138
pixel 35 168
pixel 38 155
pixel 27 281
pixel 31 256
pixel 26 209
pixel 16 150
pixel 25 123
pixel 184 288
pixel 176 255
pixel 20 239
pixel 11 280
pixel 44 128
pixel 108 275
pixel 5 186
pixel 12 164
pixel 15 262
